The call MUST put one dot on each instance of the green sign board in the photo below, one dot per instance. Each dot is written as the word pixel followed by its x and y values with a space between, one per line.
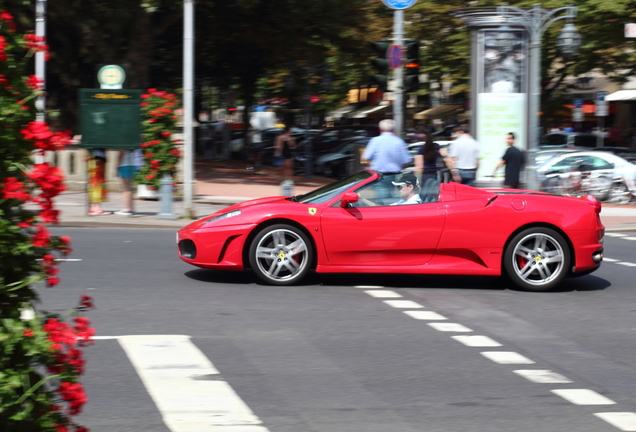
pixel 110 119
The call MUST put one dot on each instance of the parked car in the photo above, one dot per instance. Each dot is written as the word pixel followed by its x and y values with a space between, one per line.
pixel 543 155
pixel 337 163
pixel 611 177
pixel 330 139
pixel 536 239
pixel 568 139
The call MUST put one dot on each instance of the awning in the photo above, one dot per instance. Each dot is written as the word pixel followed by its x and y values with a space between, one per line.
pixel 621 95
pixel 364 112
pixel 441 111
pixel 338 113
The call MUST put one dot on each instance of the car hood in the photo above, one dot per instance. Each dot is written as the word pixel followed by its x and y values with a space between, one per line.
pixel 240 206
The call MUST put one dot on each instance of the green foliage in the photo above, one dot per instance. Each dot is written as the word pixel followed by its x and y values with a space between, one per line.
pixel 160 153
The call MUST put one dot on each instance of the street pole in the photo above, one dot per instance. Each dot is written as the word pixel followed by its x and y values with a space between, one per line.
pixel 536 21
pixel 188 106
pixel 40 67
pixel 398 75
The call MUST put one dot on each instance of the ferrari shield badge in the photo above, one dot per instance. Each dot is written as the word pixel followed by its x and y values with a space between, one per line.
pixel 312 210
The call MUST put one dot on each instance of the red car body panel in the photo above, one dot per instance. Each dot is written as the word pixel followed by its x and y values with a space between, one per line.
pixel 464 233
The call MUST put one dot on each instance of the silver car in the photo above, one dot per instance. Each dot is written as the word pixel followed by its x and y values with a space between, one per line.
pixel 604 175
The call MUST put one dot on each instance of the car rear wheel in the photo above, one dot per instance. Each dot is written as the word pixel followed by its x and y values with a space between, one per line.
pixel 537 259
pixel 280 254
pixel 619 194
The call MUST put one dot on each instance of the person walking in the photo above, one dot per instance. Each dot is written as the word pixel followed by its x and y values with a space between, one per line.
pixel 284 150
pixel 464 157
pixel 428 160
pixel 513 159
pixel 387 152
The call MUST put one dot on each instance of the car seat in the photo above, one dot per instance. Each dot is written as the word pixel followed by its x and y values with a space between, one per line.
pixel 429 192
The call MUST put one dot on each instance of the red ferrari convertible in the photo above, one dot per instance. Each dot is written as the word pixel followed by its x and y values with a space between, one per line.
pixel 365 224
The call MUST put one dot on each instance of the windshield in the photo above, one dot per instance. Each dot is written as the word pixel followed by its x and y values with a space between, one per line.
pixel 330 191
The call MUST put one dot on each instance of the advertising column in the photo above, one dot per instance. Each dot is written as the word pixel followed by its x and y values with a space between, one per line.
pixel 501 94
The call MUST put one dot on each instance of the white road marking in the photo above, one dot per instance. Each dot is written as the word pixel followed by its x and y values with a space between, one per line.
pixel 615 235
pixel 104 337
pixel 583 397
pixel 477 341
pixel 383 294
pixel 186 387
pixel 506 357
pixel 425 315
pixel 629 238
pixel 368 286
pixel 625 421
pixel 543 376
pixel 403 304
pixel 449 327
pixel 610 259
pixel 627 264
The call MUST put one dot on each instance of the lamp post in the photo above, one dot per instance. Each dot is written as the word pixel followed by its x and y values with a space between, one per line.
pixel 536 20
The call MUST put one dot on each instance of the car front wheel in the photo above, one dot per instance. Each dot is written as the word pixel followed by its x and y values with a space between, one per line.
pixel 281 254
pixel 537 259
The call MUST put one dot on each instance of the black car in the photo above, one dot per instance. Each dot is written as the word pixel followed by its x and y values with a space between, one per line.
pixel 331 139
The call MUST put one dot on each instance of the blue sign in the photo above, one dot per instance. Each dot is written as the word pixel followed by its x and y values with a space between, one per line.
pixel 600 96
pixel 394 56
pixel 399 4
pixel 578 103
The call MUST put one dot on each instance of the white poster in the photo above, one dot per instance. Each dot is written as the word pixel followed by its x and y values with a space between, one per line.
pixel 499 114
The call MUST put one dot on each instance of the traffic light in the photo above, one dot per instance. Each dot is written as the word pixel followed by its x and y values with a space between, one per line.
pixel 380 64
pixel 412 65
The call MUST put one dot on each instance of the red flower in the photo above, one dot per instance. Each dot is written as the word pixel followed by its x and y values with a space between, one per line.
pixel 150 177
pixel 148 155
pixel 143 104
pixel 165 134
pixel 35 82
pixel 51 281
pixel 152 120
pixel 6 16
pixel 42 238
pixel 86 303
pixel 27 332
pixel 13 189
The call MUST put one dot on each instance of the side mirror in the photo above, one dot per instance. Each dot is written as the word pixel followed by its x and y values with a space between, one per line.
pixel 348 198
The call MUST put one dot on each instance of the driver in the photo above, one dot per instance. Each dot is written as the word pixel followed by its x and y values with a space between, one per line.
pixel 408 189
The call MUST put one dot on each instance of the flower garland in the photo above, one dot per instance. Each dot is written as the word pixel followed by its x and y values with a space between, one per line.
pixel 159 149
pixel 40 359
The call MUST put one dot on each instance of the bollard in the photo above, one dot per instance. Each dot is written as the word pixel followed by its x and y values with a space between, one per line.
pixel 287 187
pixel 165 193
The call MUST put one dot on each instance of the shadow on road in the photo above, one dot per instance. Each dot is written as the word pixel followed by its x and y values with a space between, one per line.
pixel 581 284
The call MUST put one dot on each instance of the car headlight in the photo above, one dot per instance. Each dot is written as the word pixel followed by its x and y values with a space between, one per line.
pixel 224 216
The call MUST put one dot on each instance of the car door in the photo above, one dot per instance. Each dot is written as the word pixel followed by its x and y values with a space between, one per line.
pixel 383 235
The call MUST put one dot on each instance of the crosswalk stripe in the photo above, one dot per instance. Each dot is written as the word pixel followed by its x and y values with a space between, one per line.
pixel 186 387
pixel 583 397
pixel 403 304
pixel 450 327
pixel 383 294
pixel 425 315
pixel 477 341
pixel 543 376
pixel 507 357
pixel 625 421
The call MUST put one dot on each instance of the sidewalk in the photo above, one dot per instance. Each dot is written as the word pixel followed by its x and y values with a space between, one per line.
pixel 222 183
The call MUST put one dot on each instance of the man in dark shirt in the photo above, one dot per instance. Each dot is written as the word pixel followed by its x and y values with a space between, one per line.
pixel 513 159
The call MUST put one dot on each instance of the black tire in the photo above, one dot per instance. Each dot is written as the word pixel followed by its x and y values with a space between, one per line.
pixel 281 255
pixel 537 259
pixel 619 193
